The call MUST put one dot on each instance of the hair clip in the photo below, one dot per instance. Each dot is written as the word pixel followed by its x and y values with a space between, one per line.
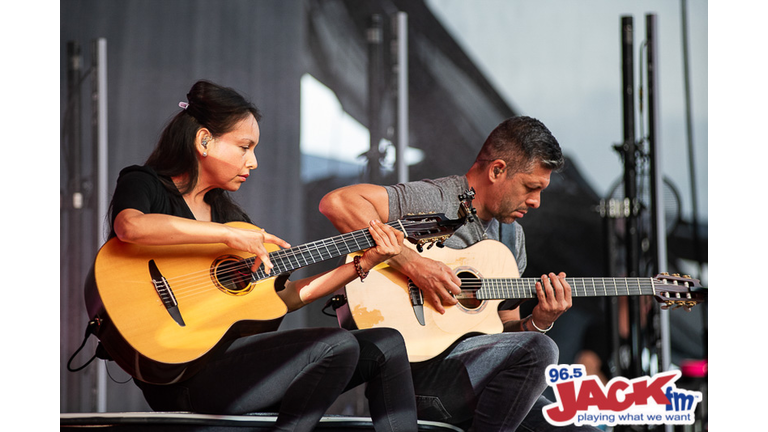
pixel 183 105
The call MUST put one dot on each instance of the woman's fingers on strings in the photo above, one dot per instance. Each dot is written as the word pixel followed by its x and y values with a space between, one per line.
pixel 273 239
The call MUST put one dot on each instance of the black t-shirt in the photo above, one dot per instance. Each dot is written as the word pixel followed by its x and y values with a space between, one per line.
pixel 141 188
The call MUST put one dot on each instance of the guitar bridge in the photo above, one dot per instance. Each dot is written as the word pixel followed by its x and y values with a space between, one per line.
pixel 166 294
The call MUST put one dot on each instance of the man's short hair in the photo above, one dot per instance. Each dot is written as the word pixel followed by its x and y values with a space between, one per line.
pixel 522 142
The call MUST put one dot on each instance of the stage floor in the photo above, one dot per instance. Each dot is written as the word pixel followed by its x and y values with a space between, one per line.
pixel 181 421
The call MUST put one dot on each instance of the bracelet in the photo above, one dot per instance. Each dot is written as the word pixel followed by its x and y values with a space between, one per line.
pixel 359 268
pixel 530 318
pixel 522 323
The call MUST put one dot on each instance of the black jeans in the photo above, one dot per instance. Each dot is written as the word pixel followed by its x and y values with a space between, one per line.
pixel 384 366
pixel 488 382
pixel 298 373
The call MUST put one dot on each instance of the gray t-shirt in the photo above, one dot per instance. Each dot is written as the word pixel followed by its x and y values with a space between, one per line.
pixel 441 196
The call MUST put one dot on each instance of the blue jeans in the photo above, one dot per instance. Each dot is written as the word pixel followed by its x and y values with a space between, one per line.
pixel 299 374
pixel 486 382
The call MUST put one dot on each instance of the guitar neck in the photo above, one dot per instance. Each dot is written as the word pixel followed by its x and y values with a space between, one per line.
pixel 288 260
pixel 525 288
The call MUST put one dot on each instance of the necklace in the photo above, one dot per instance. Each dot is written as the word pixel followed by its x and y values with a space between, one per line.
pixel 485 227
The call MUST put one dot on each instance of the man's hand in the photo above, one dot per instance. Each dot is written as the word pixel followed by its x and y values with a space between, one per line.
pixel 438 283
pixel 554 296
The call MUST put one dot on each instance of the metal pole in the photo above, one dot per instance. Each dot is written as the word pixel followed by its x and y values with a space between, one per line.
pixel 375 38
pixel 689 133
pixel 630 188
pixel 99 62
pixel 73 204
pixel 402 96
pixel 658 223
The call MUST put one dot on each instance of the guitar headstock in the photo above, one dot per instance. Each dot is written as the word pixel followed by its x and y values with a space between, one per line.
pixel 674 291
pixel 435 228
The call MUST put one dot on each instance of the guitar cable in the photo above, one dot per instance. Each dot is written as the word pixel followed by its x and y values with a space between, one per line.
pixel 100 352
pixel 336 302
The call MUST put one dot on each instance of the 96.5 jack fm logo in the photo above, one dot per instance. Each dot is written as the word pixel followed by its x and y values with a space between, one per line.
pixel 585 400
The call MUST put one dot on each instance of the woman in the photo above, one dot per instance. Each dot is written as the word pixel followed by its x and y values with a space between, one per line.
pixel 181 196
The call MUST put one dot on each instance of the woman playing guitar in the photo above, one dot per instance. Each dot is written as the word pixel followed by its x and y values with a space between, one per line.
pixel 180 197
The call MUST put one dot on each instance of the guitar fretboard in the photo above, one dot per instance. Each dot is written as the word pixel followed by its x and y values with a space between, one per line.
pixel 525 288
pixel 288 260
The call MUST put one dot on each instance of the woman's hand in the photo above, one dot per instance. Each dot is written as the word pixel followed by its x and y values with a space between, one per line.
pixel 389 243
pixel 252 241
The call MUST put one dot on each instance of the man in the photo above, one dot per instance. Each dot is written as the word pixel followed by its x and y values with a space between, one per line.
pixel 488 382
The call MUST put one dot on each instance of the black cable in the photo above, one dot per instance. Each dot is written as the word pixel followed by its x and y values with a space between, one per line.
pixel 89 330
pixel 336 302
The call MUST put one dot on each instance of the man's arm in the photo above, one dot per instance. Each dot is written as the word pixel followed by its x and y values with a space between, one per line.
pixel 349 208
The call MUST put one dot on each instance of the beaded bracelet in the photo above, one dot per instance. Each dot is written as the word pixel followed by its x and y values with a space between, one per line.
pixel 359 268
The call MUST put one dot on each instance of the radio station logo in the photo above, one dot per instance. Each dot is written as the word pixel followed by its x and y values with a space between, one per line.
pixel 584 400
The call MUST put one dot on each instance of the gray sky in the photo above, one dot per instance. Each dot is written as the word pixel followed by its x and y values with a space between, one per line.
pixel 560 61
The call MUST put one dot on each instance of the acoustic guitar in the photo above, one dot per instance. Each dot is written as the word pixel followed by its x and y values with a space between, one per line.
pixel 489 275
pixel 161 310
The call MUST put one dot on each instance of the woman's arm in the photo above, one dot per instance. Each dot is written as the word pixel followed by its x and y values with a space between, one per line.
pixel 134 226
pixel 389 242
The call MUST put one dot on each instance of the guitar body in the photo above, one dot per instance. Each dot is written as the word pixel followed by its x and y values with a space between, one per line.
pixel 383 300
pixel 161 341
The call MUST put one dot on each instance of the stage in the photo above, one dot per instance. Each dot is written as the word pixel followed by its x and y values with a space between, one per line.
pixel 185 421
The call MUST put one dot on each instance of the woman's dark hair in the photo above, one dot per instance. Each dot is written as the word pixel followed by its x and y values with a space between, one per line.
pixel 216 108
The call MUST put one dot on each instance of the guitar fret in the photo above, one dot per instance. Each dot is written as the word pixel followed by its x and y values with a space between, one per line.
pixel 326 248
pixel 335 245
pixel 319 253
pixel 295 258
pixel 308 256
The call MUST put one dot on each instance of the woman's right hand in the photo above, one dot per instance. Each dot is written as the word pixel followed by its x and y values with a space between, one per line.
pixel 252 241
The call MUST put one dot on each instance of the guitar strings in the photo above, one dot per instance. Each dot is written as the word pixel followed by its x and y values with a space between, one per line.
pixel 283 260
pixel 197 282
pixel 526 287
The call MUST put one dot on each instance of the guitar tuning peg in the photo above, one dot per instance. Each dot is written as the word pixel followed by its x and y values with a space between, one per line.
pixel 420 248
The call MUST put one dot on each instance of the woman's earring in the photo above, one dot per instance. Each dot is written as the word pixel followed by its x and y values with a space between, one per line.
pixel 205 145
